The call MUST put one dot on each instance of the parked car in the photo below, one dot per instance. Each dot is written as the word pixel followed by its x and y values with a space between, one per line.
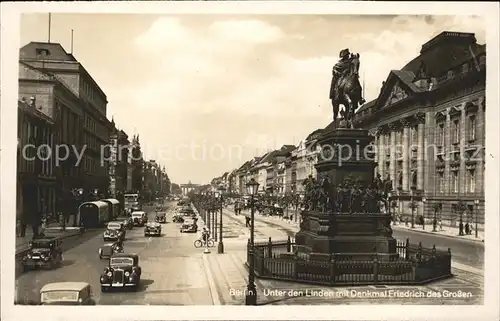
pixel 161 217
pixel 152 228
pixel 108 249
pixel 114 231
pixel 139 217
pixel 43 252
pixel 123 271
pixel 67 293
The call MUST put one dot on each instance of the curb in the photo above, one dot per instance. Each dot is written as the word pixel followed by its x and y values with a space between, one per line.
pixel 211 283
pixel 479 241
pixel 24 250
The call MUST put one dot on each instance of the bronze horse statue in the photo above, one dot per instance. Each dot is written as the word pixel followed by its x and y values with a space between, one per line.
pixel 348 92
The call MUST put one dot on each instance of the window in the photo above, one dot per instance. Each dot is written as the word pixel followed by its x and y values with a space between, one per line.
pixel 472 127
pixel 454 182
pixel 440 134
pixel 413 134
pixel 440 182
pixel 471 182
pixel 456 131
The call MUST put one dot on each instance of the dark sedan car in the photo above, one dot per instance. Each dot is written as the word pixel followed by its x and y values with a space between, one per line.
pixel 43 252
pixel 123 271
pixel 161 217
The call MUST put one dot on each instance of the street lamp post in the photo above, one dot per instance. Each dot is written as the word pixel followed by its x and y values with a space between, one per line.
pixel 476 202
pixel 251 294
pixel 423 212
pixel 220 246
pixel 389 195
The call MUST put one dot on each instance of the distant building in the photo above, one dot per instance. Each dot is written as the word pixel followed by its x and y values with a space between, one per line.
pixel 118 165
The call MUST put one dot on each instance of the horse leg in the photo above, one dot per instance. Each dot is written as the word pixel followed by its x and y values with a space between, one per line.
pixel 335 106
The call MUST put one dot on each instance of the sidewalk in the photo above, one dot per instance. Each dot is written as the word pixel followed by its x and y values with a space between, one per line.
pixel 52 230
pixel 447 231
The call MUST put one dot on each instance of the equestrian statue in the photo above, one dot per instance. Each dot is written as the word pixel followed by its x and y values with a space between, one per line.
pixel 345 88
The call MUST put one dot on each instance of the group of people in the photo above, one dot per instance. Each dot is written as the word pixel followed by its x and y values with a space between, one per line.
pixel 350 196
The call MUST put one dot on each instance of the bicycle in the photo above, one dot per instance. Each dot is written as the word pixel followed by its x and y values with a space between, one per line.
pixel 199 243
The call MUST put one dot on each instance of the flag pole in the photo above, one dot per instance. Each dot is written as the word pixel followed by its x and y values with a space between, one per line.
pixel 50 22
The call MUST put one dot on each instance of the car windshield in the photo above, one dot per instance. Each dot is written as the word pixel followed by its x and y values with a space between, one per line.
pixel 41 245
pixel 114 226
pixel 56 296
pixel 136 214
pixel 122 261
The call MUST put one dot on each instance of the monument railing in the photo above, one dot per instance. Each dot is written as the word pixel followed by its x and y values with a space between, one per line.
pixel 415 265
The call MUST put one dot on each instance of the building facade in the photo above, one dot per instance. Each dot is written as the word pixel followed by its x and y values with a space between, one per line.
pixel 36 172
pixel 429 128
pixel 86 125
pixel 118 163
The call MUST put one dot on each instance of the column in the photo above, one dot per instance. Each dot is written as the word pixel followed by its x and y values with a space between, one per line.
pixel 406 158
pixel 462 175
pixel 381 153
pixel 420 117
pixel 392 164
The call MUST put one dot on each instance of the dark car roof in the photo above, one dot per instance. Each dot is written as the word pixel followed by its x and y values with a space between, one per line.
pixel 132 255
pixel 44 240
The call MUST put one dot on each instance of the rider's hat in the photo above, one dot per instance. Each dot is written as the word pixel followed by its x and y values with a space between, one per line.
pixel 344 52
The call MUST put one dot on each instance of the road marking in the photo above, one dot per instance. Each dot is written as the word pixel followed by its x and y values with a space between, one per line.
pixel 211 282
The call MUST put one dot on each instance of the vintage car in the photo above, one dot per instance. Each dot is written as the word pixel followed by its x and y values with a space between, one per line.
pixel 123 271
pixel 187 211
pixel 178 218
pixel 140 218
pixel 190 227
pixel 67 293
pixel 152 228
pixel 114 231
pixel 108 249
pixel 159 207
pixel 43 252
pixel 161 217
pixel 127 221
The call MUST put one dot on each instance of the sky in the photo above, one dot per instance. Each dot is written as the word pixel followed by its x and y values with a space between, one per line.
pixel 206 93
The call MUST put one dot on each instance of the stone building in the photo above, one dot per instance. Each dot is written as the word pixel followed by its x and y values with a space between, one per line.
pixel 36 173
pixel 118 164
pixel 429 128
pixel 83 119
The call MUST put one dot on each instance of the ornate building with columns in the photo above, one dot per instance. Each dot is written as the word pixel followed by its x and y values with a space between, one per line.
pixel 429 128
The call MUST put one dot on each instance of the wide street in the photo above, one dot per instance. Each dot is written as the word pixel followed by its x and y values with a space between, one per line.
pixel 176 273
pixel 173 272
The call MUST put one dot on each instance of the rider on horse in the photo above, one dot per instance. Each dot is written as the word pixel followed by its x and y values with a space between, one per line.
pixel 340 70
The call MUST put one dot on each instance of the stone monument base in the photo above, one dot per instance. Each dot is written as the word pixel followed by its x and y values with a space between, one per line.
pixel 354 236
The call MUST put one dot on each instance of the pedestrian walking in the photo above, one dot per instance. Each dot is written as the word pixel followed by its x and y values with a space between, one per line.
pixel 247 221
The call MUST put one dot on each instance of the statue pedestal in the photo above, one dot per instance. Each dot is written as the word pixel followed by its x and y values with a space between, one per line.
pixel 355 236
pixel 346 154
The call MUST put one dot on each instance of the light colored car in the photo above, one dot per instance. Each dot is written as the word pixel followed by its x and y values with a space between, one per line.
pixel 139 218
pixel 67 293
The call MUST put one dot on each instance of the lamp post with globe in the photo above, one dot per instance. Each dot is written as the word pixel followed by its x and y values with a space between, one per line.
pixel 251 293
